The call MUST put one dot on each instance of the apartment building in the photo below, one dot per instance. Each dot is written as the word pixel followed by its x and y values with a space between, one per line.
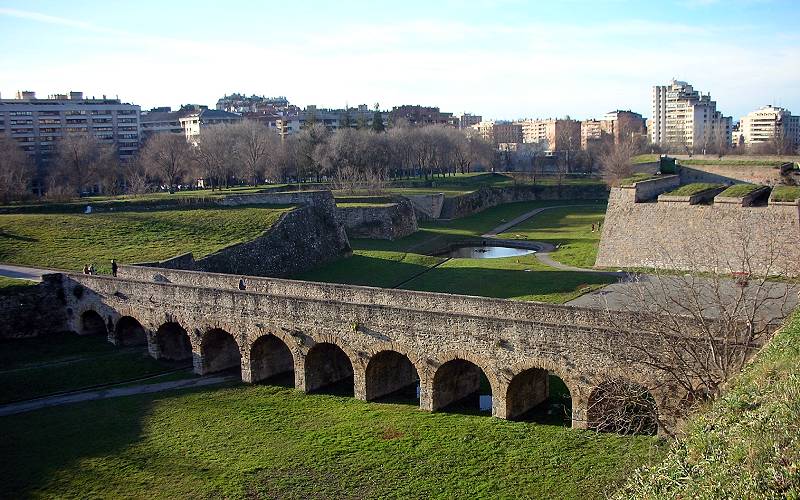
pixel 466 120
pixel 615 125
pixel 554 132
pixel 36 124
pixel 421 115
pixel 485 130
pixel 685 119
pixel 769 125
pixel 197 120
pixel 507 133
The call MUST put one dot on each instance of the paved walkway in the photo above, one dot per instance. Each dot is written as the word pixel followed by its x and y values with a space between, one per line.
pixel 79 397
pixel 23 272
pixel 544 249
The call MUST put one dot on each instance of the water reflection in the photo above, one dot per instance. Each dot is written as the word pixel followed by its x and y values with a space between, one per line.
pixel 486 252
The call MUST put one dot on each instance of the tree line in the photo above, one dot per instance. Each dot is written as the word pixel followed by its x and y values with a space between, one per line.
pixel 246 153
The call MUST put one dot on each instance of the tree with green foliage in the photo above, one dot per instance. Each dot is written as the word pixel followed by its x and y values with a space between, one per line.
pixel 377 122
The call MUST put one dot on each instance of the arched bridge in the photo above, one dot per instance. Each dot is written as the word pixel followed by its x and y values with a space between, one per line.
pixel 383 340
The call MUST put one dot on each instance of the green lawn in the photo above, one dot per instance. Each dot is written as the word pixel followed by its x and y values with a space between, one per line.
pixel 739 190
pixel 392 263
pixel 693 188
pixel 39 366
pixel 68 241
pixel 569 228
pixel 273 442
pixel 645 158
pixel 785 193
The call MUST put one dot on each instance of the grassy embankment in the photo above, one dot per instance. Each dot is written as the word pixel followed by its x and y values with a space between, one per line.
pixel 405 262
pixel 64 362
pixel 693 188
pixel 68 241
pixel 786 193
pixel 739 190
pixel 273 442
pixel 746 444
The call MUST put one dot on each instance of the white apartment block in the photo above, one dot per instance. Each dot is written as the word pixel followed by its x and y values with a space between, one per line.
pixel 684 118
pixel 196 121
pixel 36 124
pixel 763 125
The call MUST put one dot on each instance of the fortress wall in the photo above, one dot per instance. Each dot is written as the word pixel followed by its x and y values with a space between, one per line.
pixel 461 206
pixel 34 310
pixel 708 237
pixel 379 222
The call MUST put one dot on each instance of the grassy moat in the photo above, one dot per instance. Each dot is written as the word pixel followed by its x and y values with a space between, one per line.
pixel 271 441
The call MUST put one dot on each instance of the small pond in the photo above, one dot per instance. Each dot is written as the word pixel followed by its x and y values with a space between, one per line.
pixel 486 252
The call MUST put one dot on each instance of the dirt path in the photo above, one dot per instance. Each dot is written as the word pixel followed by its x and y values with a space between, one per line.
pixel 81 396
pixel 23 272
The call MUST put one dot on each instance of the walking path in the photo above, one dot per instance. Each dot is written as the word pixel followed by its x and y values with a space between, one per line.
pixel 24 272
pixel 544 250
pixel 79 397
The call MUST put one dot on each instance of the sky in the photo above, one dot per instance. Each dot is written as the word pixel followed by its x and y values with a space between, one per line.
pixel 502 59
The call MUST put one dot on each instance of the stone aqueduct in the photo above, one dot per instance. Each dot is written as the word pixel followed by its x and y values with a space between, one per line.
pixel 384 339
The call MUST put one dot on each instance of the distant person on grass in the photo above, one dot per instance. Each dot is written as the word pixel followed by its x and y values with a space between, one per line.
pixel 86 269
pixel 113 268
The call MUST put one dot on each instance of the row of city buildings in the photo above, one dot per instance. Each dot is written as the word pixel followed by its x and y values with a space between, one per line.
pixel 681 118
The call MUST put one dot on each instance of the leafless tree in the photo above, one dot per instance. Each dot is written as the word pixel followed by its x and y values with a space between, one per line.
pixel 623 407
pixel 616 161
pixel 79 162
pixel 135 176
pixel 215 156
pixel 166 157
pixel 697 330
pixel 256 149
pixel 16 171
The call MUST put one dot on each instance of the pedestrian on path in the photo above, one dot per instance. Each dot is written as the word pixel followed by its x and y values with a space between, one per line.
pixel 113 268
pixel 91 269
pixel 86 269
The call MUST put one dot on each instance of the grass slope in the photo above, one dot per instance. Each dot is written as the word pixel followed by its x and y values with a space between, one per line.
pixel 64 362
pixel 274 442
pixel 693 188
pixel 739 190
pixel 68 241
pixel 747 443
pixel 569 228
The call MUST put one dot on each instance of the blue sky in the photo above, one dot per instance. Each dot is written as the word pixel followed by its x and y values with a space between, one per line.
pixel 503 59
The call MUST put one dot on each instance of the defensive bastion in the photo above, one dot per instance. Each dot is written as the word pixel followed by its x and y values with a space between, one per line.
pixel 645 230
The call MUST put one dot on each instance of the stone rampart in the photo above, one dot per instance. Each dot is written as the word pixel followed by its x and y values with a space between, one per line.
pixel 700 237
pixel 427 206
pixel 312 322
pixel 477 201
pixel 300 240
pixel 387 222
pixel 34 310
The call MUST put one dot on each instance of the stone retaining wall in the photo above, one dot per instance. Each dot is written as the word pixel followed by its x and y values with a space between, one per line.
pixel 34 310
pixel 390 222
pixel 699 237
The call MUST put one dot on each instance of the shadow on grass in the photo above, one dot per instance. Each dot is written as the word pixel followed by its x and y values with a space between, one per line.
pixel 17 237
pixel 365 270
pixel 504 283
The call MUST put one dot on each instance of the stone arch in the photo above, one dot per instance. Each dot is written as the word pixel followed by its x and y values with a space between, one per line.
pixel 326 364
pixel 130 332
pixel 270 355
pixel 219 351
pixel 173 342
pixel 458 376
pixel 622 406
pixel 92 323
pixel 529 385
pixel 387 372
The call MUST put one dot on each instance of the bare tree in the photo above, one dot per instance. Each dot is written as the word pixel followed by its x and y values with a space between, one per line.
pixel 79 162
pixel 623 407
pixel 16 171
pixel 166 157
pixel 215 155
pixel 616 161
pixel 135 176
pixel 697 330
pixel 256 148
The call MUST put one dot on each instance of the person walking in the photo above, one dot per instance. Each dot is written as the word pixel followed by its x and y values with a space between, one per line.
pixel 113 268
pixel 86 269
pixel 91 269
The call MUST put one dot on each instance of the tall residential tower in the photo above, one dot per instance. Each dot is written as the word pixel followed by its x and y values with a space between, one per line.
pixel 685 119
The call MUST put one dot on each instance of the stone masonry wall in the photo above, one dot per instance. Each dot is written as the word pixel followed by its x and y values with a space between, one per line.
pixel 300 240
pixel 503 341
pixel 379 222
pixel 461 206
pixel 34 310
pixel 708 237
